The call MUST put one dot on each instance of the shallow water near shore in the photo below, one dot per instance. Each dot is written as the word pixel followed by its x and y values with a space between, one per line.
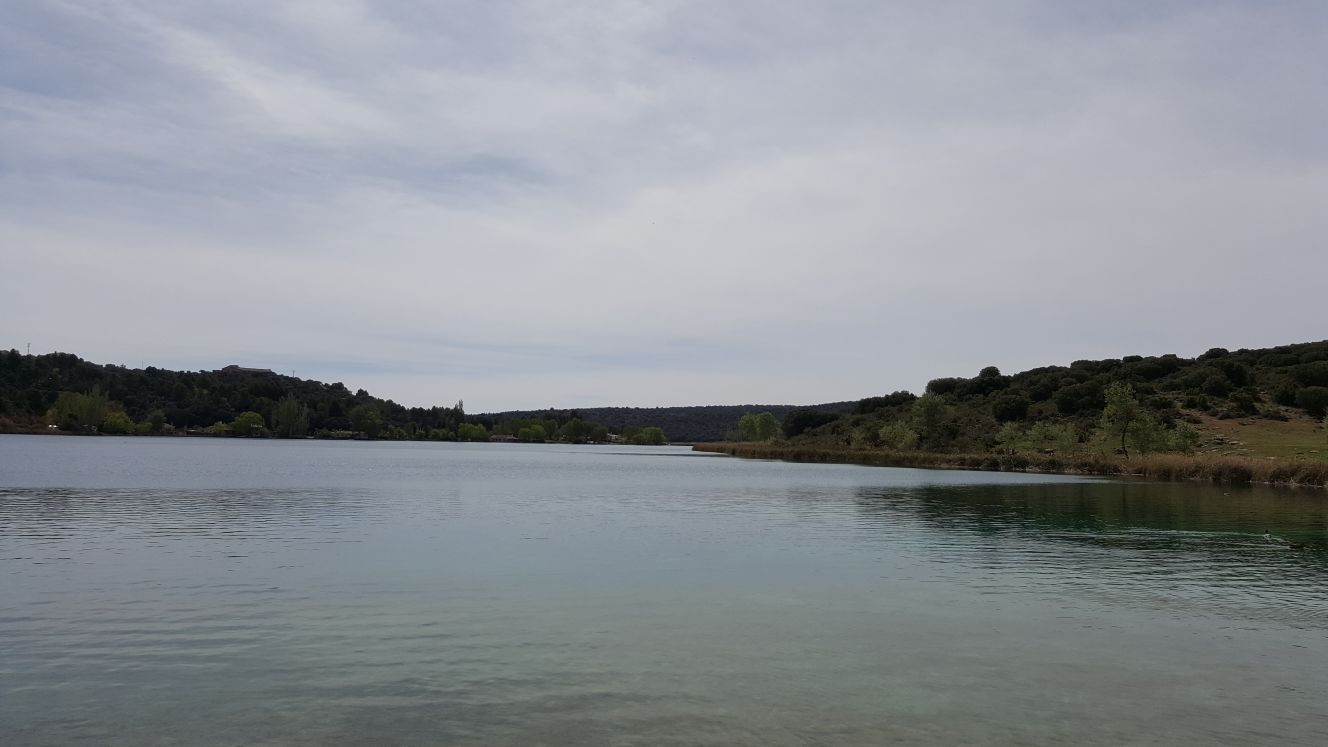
pixel 228 592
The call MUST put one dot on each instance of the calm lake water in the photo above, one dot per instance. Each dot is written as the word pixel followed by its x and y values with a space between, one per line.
pixel 225 592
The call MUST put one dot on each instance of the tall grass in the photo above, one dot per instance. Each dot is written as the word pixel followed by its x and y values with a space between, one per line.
pixel 1226 469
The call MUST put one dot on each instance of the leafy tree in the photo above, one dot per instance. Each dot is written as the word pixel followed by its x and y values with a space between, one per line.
pixel 117 422
pixel 1125 422
pixel 1313 400
pixel 1183 438
pixel 155 421
pixel 290 418
pixel 649 436
pixel 897 435
pixel 1008 407
pixel 1012 437
pixel 1121 413
pixel 798 421
pixel 78 412
pixel 366 419
pixel 872 404
pixel 472 432
pixel 928 412
pixel 247 424
pixel 533 433
pixel 762 427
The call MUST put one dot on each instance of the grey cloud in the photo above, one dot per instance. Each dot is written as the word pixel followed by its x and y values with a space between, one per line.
pixel 525 204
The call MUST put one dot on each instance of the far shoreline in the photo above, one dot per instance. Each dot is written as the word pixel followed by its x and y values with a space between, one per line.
pixel 1167 467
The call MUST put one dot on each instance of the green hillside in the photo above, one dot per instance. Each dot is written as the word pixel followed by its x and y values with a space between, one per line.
pixel 1265 402
pixel 78 396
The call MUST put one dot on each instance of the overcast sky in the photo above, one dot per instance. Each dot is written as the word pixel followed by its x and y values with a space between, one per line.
pixel 659 203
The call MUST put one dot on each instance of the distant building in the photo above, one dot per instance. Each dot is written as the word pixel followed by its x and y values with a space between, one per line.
pixel 242 369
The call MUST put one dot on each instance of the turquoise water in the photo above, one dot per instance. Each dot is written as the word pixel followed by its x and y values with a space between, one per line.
pixel 223 592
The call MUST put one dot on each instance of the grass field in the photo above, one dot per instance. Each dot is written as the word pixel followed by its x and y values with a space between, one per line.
pixel 1298 438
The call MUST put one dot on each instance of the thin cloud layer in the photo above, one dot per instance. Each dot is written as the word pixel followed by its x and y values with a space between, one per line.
pixel 571 204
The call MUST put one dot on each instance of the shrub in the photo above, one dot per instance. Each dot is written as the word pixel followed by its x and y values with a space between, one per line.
pixel 800 421
pixel 1217 385
pixel 118 423
pixel 1313 400
pixel 898 436
pixel 1008 407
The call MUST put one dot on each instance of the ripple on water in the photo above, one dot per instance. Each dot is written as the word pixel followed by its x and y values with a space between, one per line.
pixel 521 596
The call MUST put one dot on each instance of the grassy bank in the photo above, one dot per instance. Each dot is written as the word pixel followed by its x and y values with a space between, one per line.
pixel 1225 469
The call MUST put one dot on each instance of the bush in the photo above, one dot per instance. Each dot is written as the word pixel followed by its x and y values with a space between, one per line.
pixel 800 421
pixel 1313 400
pixel 896 435
pixel 1311 374
pixel 1217 385
pixel 1008 407
pixel 118 423
pixel 943 386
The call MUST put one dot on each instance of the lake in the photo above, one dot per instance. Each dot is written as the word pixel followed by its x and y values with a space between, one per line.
pixel 158 591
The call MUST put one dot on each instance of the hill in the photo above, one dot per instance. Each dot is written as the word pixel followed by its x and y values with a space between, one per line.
pixel 693 423
pixel 76 395
pixel 1263 402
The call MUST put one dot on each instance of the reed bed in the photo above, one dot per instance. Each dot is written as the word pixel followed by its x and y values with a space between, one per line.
pixel 1222 469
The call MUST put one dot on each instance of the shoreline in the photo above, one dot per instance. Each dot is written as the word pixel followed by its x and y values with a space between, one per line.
pixel 1170 467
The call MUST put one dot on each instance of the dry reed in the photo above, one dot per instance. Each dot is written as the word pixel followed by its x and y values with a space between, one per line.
pixel 1224 469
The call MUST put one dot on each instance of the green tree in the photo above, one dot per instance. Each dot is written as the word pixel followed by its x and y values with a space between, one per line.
pixel 366 419
pixel 897 435
pixel 1054 437
pixel 290 418
pixel 1183 438
pixel 247 424
pixel 1121 414
pixel 1012 438
pixel 79 412
pixel 761 427
pixel 472 432
pixel 117 422
pixel 649 436
pixel 1313 400
pixel 746 428
pixel 155 421
pixel 929 411
pixel 1124 422
pixel 533 433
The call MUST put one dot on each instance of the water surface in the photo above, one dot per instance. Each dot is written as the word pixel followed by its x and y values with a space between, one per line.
pixel 225 592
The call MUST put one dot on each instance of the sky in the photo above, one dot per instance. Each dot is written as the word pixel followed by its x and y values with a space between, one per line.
pixel 572 204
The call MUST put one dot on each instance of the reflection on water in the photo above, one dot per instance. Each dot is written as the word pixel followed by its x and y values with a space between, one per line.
pixel 215 592
pixel 1178 549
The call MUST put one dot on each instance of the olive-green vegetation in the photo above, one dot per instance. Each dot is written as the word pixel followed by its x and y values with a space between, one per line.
pixel 648 436
pixel 1296 472
pixel 682 424
pixel 1113 413
pixel 72 395
pixel 756 427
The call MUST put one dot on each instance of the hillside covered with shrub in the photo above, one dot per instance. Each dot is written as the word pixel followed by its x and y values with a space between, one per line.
pixel 1141 404
pixel 78 396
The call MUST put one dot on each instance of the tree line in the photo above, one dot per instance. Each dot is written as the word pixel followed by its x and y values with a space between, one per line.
pixel 63 391
pixel 1131 405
